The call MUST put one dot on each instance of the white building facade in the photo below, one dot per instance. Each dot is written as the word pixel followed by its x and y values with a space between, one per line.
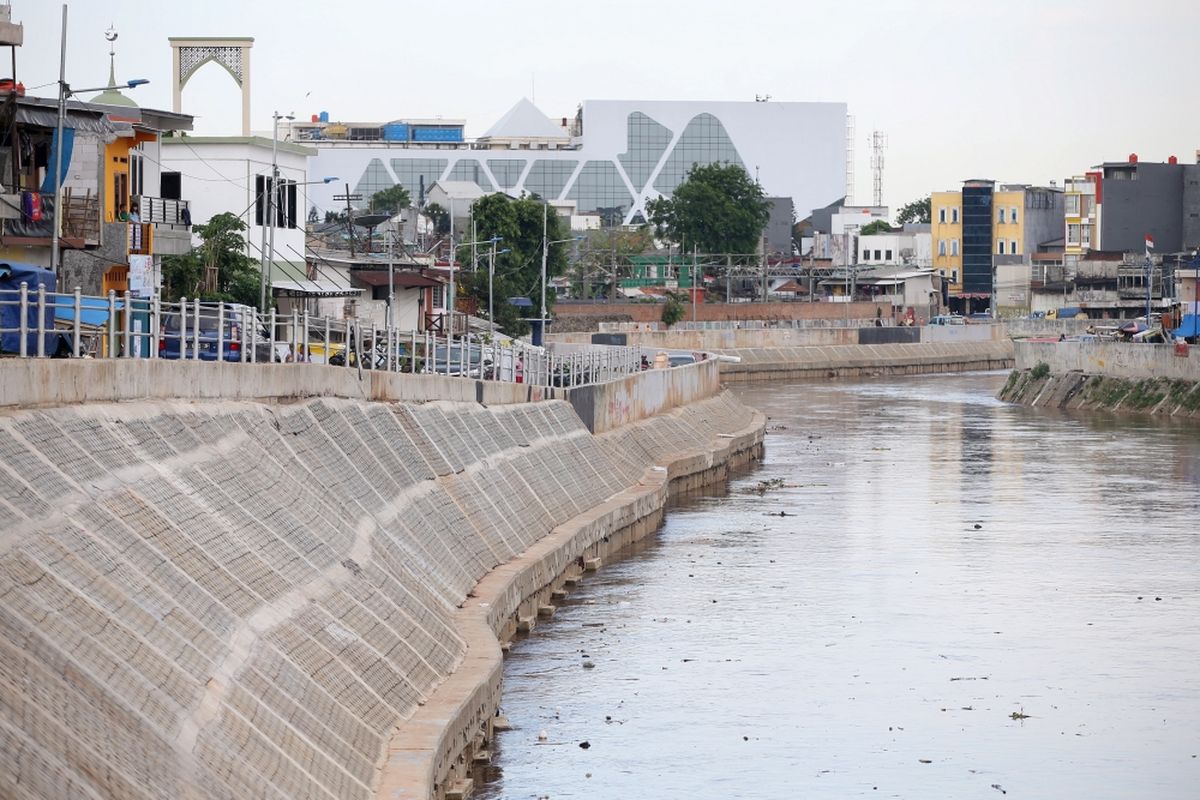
pixel 610 160
pixel 231 174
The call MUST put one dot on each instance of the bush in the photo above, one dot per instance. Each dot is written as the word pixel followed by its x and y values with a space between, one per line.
pixel 673 311
pixel 1040 370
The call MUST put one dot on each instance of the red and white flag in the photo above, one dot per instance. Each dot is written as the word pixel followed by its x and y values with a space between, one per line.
pixel 1149 243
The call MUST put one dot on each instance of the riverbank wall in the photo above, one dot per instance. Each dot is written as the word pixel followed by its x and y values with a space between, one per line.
pixel 301 596
pixel 1112 376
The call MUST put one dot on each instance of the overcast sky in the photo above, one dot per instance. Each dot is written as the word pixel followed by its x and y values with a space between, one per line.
pixel 1014 90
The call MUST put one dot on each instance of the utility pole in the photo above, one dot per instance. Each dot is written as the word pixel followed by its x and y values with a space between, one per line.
pixel 391 316
pixel 58 147
pixel 491 290
pixel 728 277
pixel 545 248
pixel 695 283
pixel 349 220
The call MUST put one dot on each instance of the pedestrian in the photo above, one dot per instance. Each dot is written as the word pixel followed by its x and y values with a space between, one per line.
pixel 520 369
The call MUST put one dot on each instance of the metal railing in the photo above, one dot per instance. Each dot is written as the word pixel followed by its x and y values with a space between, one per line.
pixel 57 325
pixel 161 211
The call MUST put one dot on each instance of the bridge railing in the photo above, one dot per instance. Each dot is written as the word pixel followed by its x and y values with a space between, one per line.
pixel 41 323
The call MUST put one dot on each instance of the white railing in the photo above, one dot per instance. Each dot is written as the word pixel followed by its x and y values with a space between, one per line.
pixel 39 324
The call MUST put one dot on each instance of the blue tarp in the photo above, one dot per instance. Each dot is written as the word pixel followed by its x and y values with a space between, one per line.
pixel 1187 328
pixel 93 311
pixel 48 185
pixel 12 275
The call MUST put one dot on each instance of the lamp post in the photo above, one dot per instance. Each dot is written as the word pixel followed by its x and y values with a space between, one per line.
pixel 545 254
pixel 64 92
pixel 270 208
pixel 262 250
pixel 491 279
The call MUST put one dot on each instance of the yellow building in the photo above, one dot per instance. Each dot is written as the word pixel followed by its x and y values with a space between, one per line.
pixel 946 218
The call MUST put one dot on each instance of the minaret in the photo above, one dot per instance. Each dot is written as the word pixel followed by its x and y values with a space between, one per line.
pixel 110 96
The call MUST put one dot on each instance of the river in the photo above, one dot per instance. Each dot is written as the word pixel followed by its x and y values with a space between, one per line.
pixel 966 599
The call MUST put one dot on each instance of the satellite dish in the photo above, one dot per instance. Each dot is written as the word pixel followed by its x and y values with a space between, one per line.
pixel 110 34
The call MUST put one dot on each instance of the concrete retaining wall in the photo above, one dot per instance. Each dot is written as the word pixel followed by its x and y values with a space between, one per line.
pixel 607 406
pixel 1111 359
pixel 705 312
pixel 236 599
pixel 31 382
pixel 855 360
pixel 729 339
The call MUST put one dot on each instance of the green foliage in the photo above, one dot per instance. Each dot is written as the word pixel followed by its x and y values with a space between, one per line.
pixel 599 250
pixel 518 272
pixel 440 218
pixel 717 208
pixel 1040 370
pixel 223 248
pixel 673 310
pixel 917 211
pixel 872 228
pixel 394 199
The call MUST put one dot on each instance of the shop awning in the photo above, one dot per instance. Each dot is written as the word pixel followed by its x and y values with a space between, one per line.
pixel 313 289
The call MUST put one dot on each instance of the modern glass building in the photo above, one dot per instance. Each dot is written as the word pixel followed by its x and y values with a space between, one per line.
pixel 609 160
pixel 977 237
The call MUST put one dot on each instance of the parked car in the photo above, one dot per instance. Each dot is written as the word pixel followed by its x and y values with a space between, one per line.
pixel 173 345
pixel 680 359
pixel 980 317
pixel 947 319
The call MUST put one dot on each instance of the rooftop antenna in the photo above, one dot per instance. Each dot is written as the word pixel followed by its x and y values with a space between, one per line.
pixel 878 142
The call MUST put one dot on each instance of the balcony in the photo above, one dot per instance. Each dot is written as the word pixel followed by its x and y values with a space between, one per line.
pixel 172 223
pixel 81 220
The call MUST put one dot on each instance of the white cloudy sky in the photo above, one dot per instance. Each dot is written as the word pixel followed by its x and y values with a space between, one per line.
pixel 1015 90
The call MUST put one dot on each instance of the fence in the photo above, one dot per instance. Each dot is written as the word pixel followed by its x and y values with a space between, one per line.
pixel 42 324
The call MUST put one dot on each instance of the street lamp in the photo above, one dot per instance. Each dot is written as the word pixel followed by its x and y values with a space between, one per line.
pixel 262 251
pixel 65 91
pixel 491 278
pixel 545 253
pixel 270 215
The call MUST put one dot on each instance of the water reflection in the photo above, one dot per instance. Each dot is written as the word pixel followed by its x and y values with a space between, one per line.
pixel 947 561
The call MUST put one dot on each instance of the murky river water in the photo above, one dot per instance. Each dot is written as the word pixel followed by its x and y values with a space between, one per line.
pixel 947 561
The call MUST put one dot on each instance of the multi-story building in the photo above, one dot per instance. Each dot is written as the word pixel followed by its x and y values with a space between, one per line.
pixel 610 159
pixel 1117 205
pixel 984 238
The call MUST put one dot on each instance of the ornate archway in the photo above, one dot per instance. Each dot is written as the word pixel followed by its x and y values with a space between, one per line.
pixel 188 54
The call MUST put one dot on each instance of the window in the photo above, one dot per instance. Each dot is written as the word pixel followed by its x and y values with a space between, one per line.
pixel 1000 245
pixel 1087 235
pixel 1073 234
pixel 171 186
pixel 942 247
pixel 1012 214
pixel 285 201
pixel 1073 204
pixel 954 276
pixel 866 256
pixel 887 255
pixel 1000 216
pixel 942 216
pixel 954 215
pixel 1012 247
pixel 877 258
pixel 954 247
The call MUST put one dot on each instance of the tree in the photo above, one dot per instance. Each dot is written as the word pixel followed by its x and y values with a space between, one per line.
pixel 518 272
pixel 440 218
pixel 872 228
pixel 717 208
pixel 600 250
pixel 919 211
pixel 673 310
pixel 217 269
pixel 392 200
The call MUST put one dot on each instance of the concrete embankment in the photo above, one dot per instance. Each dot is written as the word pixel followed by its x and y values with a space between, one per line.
pixel 805 353
pixel 238 598
pixel 776 363
pixel 1113 376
